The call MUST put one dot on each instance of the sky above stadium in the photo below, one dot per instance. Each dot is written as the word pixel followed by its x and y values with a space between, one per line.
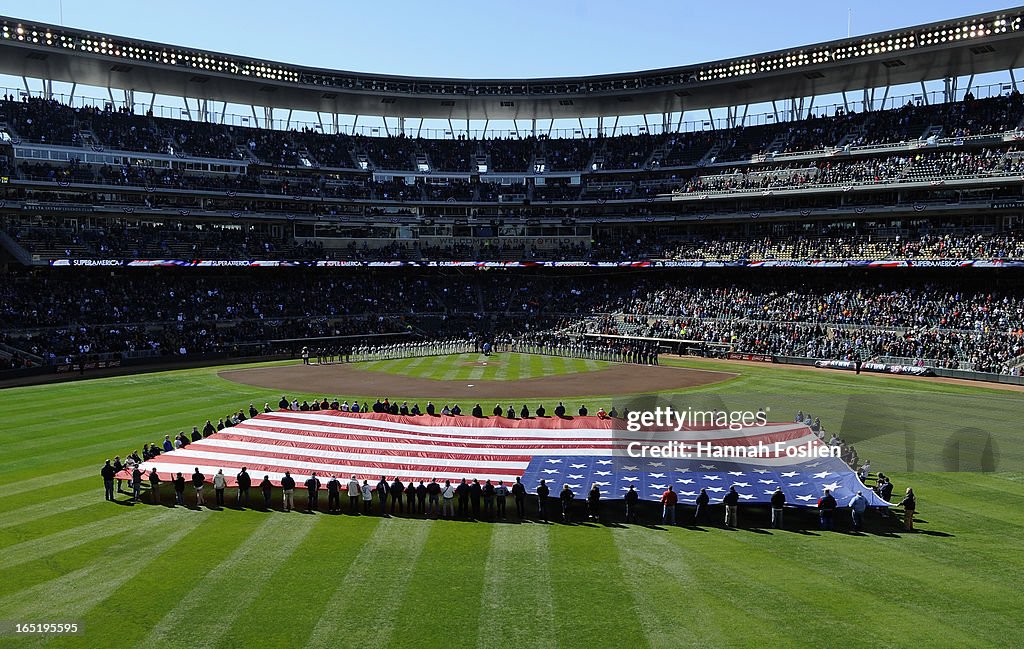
pixel 461 38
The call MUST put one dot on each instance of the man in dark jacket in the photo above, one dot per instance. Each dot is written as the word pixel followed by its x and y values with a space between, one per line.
pixel 397 490
pixel 410 498
pixel 421 498
pixel 154 487
pixel 198 480
pixel 826 509
pixel 179 489
pixel 107 472
pixel 519 493
pixel 700 514
pixel 333 495
pixel 497 410
pixel 566 497
pixel 560 410
pixel 267 489
pixel 542 500
pixel 312 492
pixel 243 482
pixel 382 495
pixel 288 491
pixel 488 494
pixel 478 412
pixel 632 499
pixel 475 491
pixel 462 496
pixel 778 502
pixel 731 501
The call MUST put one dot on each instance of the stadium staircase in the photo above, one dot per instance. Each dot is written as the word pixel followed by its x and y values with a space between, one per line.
pixel 710 156
pixel 852 136
pixel 8 352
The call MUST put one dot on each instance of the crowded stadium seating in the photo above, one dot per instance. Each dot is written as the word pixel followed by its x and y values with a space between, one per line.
pixel 671 198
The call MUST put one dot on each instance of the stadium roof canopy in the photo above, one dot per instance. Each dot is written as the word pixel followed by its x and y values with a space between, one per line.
pixel 954 48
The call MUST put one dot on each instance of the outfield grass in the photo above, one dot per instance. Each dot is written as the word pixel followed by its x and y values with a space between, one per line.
pixel 163 577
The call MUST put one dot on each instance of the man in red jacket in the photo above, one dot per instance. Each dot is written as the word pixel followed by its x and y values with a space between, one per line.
pixel 668 501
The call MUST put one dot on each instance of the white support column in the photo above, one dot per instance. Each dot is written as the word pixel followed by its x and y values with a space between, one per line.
pixel 869 100
pixel 533 127
pixel 949 89
pixel 666 122
pixel 401 125
pixel 268 112
pixel 334 123
pixel 1013 79
pixel 48 89
pixel 924 94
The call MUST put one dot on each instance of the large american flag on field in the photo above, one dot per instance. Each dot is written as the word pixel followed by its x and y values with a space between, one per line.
pixel 578 451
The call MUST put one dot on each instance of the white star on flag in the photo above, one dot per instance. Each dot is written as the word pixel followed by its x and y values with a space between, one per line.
pixel 624 488
pixel 655 464
pixel 788 474
pixel 574 486
pixel 659 486
pixel 553 461
pixel 797 484
pixel 746 496
pixel 712 477
pixel 681 469
pixel 736 473
pixel 602 472
pixel 684 481
pixel 766 481
pixel 577 466
pixel 630 468
pixel 769 492
pixel 823 474
pixel 687 493
pixel 811 466
pixel 714 489
pixel 656 475
pixel 604 462
pixel 741 484
pixel 760 470
pixel 549 471
pixel 832 486
pixel 805 497
pixel 603 484
pixel 630 478
pixel 709 467
pixel 575 476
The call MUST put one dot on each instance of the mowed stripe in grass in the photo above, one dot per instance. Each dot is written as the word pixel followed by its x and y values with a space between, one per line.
pixel 516 579
pixel 438 606
pixel 360 612
pixel 250 566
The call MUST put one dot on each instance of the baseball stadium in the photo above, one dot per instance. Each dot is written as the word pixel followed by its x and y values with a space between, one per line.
pixel 726 354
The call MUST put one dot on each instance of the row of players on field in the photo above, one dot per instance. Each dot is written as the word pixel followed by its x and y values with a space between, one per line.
pixel 589 349
pixel 476 499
